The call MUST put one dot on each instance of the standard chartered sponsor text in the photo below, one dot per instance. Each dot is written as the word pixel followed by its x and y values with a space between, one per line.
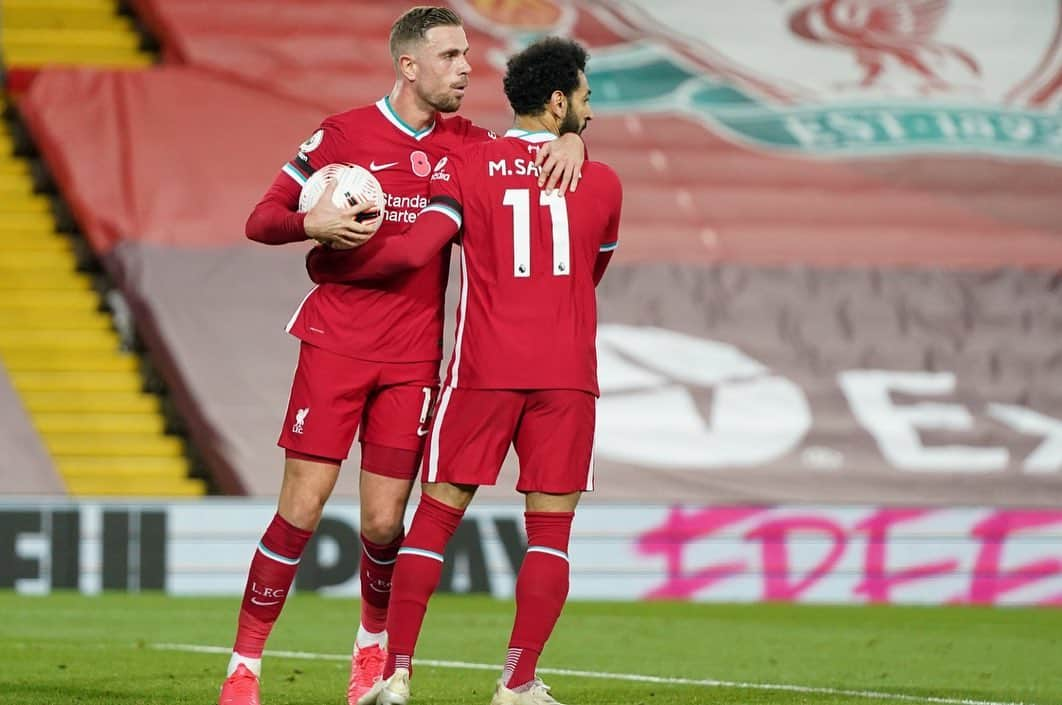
pixel 404 209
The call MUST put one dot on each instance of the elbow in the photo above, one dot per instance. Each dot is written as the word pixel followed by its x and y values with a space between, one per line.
pixel 253 229
pixel 415 260
pixel 401 261
pixel 411 260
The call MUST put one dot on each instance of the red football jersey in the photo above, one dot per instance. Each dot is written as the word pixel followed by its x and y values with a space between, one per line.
pixel 527 317
pixel 399 319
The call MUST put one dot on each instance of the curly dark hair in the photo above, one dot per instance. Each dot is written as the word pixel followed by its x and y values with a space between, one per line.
pixel 548 65
pixel 414 24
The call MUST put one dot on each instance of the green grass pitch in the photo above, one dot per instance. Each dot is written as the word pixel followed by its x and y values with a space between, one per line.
pixel 67 649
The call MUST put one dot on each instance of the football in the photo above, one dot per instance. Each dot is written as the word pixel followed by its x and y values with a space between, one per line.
pixel 354 184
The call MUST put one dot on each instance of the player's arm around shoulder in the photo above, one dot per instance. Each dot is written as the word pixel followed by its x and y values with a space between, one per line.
pixel 561 163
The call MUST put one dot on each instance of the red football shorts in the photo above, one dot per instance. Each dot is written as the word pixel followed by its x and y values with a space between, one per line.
pixel 552 431
pixel 332 395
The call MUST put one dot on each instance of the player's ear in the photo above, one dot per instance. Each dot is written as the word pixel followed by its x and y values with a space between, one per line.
pixel 407 67
pixel 558 104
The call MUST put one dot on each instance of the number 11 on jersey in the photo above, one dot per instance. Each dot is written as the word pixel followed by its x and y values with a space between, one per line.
pixel 519 199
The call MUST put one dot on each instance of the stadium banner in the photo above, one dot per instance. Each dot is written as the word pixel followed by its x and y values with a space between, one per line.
pixel 838 277
pixel 788 386
pixel 794 553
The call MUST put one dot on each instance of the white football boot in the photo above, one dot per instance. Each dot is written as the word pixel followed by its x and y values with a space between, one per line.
pixel 393 691
pixel 535 693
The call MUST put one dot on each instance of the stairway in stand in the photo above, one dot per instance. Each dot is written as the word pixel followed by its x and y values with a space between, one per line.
pixel 84 394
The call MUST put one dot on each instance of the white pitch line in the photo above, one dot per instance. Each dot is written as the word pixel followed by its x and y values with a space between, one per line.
pixel 632 677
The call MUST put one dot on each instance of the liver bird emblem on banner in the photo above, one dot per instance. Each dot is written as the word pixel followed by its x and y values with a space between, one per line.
pixel 884 34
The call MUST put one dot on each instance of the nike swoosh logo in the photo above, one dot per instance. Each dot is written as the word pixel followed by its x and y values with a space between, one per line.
pixel 256 601
pixel 421 431
pixel 373 166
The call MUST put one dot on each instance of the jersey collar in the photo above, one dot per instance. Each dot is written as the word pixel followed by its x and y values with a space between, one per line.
pixel 384 106
pixel 536 137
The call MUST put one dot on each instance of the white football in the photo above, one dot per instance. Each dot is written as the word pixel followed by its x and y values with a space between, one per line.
pixel 354 184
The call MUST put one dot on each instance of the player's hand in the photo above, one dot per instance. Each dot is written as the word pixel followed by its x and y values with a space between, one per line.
pixel 338 228
pixel 562 163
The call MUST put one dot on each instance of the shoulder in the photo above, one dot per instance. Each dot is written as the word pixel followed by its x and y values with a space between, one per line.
pixel 354 118
pixel 602 177
pixel 477 151
pixel 456 124
pixel 463 127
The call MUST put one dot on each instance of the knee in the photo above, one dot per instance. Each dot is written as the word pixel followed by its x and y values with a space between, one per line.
pixel 305 490
pixel 381 525
pixel 302 509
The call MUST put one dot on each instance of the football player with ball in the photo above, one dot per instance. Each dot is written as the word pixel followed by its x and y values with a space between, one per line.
pixel 370 351
pixel 523 372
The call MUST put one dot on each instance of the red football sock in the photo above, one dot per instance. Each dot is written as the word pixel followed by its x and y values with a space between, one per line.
pixel 268 582
pixel 541 589
pixel 417 571
pixel 377 566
